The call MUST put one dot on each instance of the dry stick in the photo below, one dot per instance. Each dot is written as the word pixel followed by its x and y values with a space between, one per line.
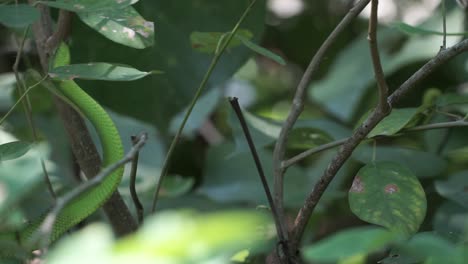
pixel 45 230
pixel 200 89
pixel 298 104
pixel 235 105
pixel 28 111
pixel 375 117
pixel 133 192
pixel 81 142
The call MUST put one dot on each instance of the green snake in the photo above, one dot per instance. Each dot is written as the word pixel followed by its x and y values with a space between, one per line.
pixel 85 204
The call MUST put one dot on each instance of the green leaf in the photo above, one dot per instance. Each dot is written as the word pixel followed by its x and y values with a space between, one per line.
pixel 95 242
pixel 97 71
pixel 351 76
pixel 172 53
pixel 450 221
pixel 459 155
pixel 431 248
pixel 306 138
pixel 125 26
pixel 262 51
pixel 183 237
pixel 209 42
pixel 88 5
pixel 422 164
pixel 204 107
pixel 17 178
pixel 451 99
pixel 350 243
pixel 194 237
pixel 263 131
pixel 18 16
pixel 412 30
pixel 15 252
pixel 176 185
pixel 394 122
pixel 234 178
pixel 455 188
pixel 388 194
pixel 14 150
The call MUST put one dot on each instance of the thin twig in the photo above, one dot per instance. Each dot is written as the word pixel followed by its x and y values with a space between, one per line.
pixel 280 230
pixel 200 89
pixel 287 163
pixel 458 123
pixel 307 153
pixel 374 52
pixel 20 99
pixel 374 118
pixel 298 103
pixel 133 176
pixel 44 232
pixel 22 90
pixel 444 26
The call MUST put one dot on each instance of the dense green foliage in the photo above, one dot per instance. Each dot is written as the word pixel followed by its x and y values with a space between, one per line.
pixel 400 198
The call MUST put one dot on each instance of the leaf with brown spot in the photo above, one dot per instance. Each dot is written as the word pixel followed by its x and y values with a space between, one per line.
pixel 390 195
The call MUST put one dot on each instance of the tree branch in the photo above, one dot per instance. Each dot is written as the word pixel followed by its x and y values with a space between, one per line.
pixel 280 229
pixel 374 52
pixel 81 142
pixel 298 104
pixel 309 152
pixel 44 231
pixel 375 117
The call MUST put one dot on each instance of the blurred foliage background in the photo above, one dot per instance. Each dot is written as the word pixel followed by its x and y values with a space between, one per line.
pixel 212 168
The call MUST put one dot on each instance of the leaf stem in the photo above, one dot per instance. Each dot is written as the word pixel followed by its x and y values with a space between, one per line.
pixel 280 228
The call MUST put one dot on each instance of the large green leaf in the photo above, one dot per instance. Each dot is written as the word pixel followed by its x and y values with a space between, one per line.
pixel 205 106
pixel 17 178
pixel 408 29
pixel 263 132
pixel 432 249
pixel 124 26
pixel 394 122
pixel 183 237
pixel 97 71
pixel 422 164
pixel 451 99
pixel 450 221
pixel 306 138
pixel 351 75
pixel 210 42
pixel 234 179
pixel 348 244
pixel 88 5
pixel 425 247
pixel 18 15
pixel 14 150
pixel 160 98
pixel 388 194
pixel 262 51
pixel 455 188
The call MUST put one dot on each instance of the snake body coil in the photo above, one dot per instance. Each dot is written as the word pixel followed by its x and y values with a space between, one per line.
pixel 90 201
